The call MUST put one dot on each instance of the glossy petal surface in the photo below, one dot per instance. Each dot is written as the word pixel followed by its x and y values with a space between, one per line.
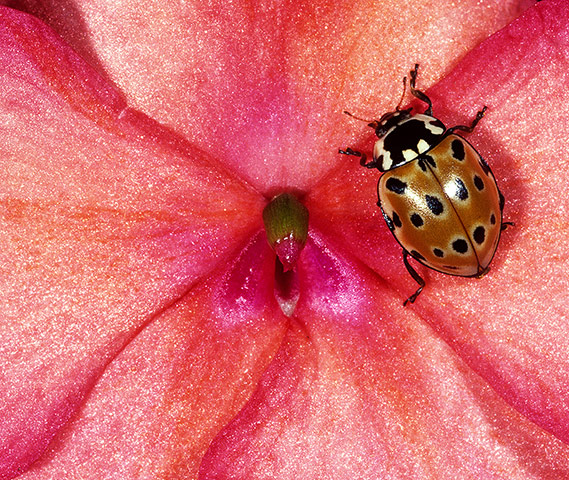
pixel 139 330
pixel 511 325
pixel 263 86
pixel 375 395
pixel 158 405
pixel 106 219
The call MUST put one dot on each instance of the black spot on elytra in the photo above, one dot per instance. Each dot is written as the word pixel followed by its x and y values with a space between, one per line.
pixel 502 201
pixel 396 185
pixel 493 219
pixel 450 267
pixel 478 183
pixel 406 136
pixel 438 252
pixel 417 255
pixel 417 220
pixel 431 161
pixel 396 220
pixel 461 191
pixel 434 204
pixel 458 150
pixel 479 235
pixel 460 246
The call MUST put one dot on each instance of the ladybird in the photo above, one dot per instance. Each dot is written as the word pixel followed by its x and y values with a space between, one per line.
pixel 438 196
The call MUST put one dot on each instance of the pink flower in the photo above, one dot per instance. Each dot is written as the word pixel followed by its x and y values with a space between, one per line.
pixel 140 335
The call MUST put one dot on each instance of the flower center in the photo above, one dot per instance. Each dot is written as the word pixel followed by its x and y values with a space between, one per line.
pixel 286 226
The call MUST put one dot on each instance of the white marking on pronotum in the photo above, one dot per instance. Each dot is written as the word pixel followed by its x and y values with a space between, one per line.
pixel 409 154
pixel 422 146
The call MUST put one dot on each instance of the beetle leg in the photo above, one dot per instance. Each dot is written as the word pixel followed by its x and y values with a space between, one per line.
pixel 355 153
pixel 415 276
pixel 398 107
pixel 502 201
pixel 467 129
pixel 417 93
pixel 363 157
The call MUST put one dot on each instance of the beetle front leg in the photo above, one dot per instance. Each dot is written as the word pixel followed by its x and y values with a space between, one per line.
pixel 469 129
pixel 355 153
pixel 418 93
pixel 363 157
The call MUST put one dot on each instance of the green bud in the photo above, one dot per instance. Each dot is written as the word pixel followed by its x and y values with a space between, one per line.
pixel 286 225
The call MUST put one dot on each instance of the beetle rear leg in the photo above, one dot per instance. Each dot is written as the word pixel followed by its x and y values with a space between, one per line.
pixel 466 128
pixel 415 276
pixel 502 202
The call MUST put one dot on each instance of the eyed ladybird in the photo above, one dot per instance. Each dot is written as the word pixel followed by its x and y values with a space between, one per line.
pixel 438 196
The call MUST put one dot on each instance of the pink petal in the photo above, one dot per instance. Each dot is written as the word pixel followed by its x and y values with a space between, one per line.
pixel 520 343
pixel 374 395
pixel 262 87
pixel 511 326
pixel 106 220
pixel 156 408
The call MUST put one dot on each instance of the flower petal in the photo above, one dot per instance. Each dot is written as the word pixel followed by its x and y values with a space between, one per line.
pixel 157 407
pixel 510 326
pixel 376 396
pixel 105 220
pixel 513 326
pixel 263 88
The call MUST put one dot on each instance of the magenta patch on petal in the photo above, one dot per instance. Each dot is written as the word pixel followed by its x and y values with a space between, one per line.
pixel 331 283
pixel 247 287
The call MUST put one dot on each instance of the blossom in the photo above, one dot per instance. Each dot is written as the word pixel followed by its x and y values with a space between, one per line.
pixel 140 332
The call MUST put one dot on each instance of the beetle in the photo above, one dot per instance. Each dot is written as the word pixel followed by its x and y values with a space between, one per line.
pixel 438 196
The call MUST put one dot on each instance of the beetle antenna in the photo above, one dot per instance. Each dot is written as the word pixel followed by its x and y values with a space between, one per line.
pixel 398 107
pixel 358 118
